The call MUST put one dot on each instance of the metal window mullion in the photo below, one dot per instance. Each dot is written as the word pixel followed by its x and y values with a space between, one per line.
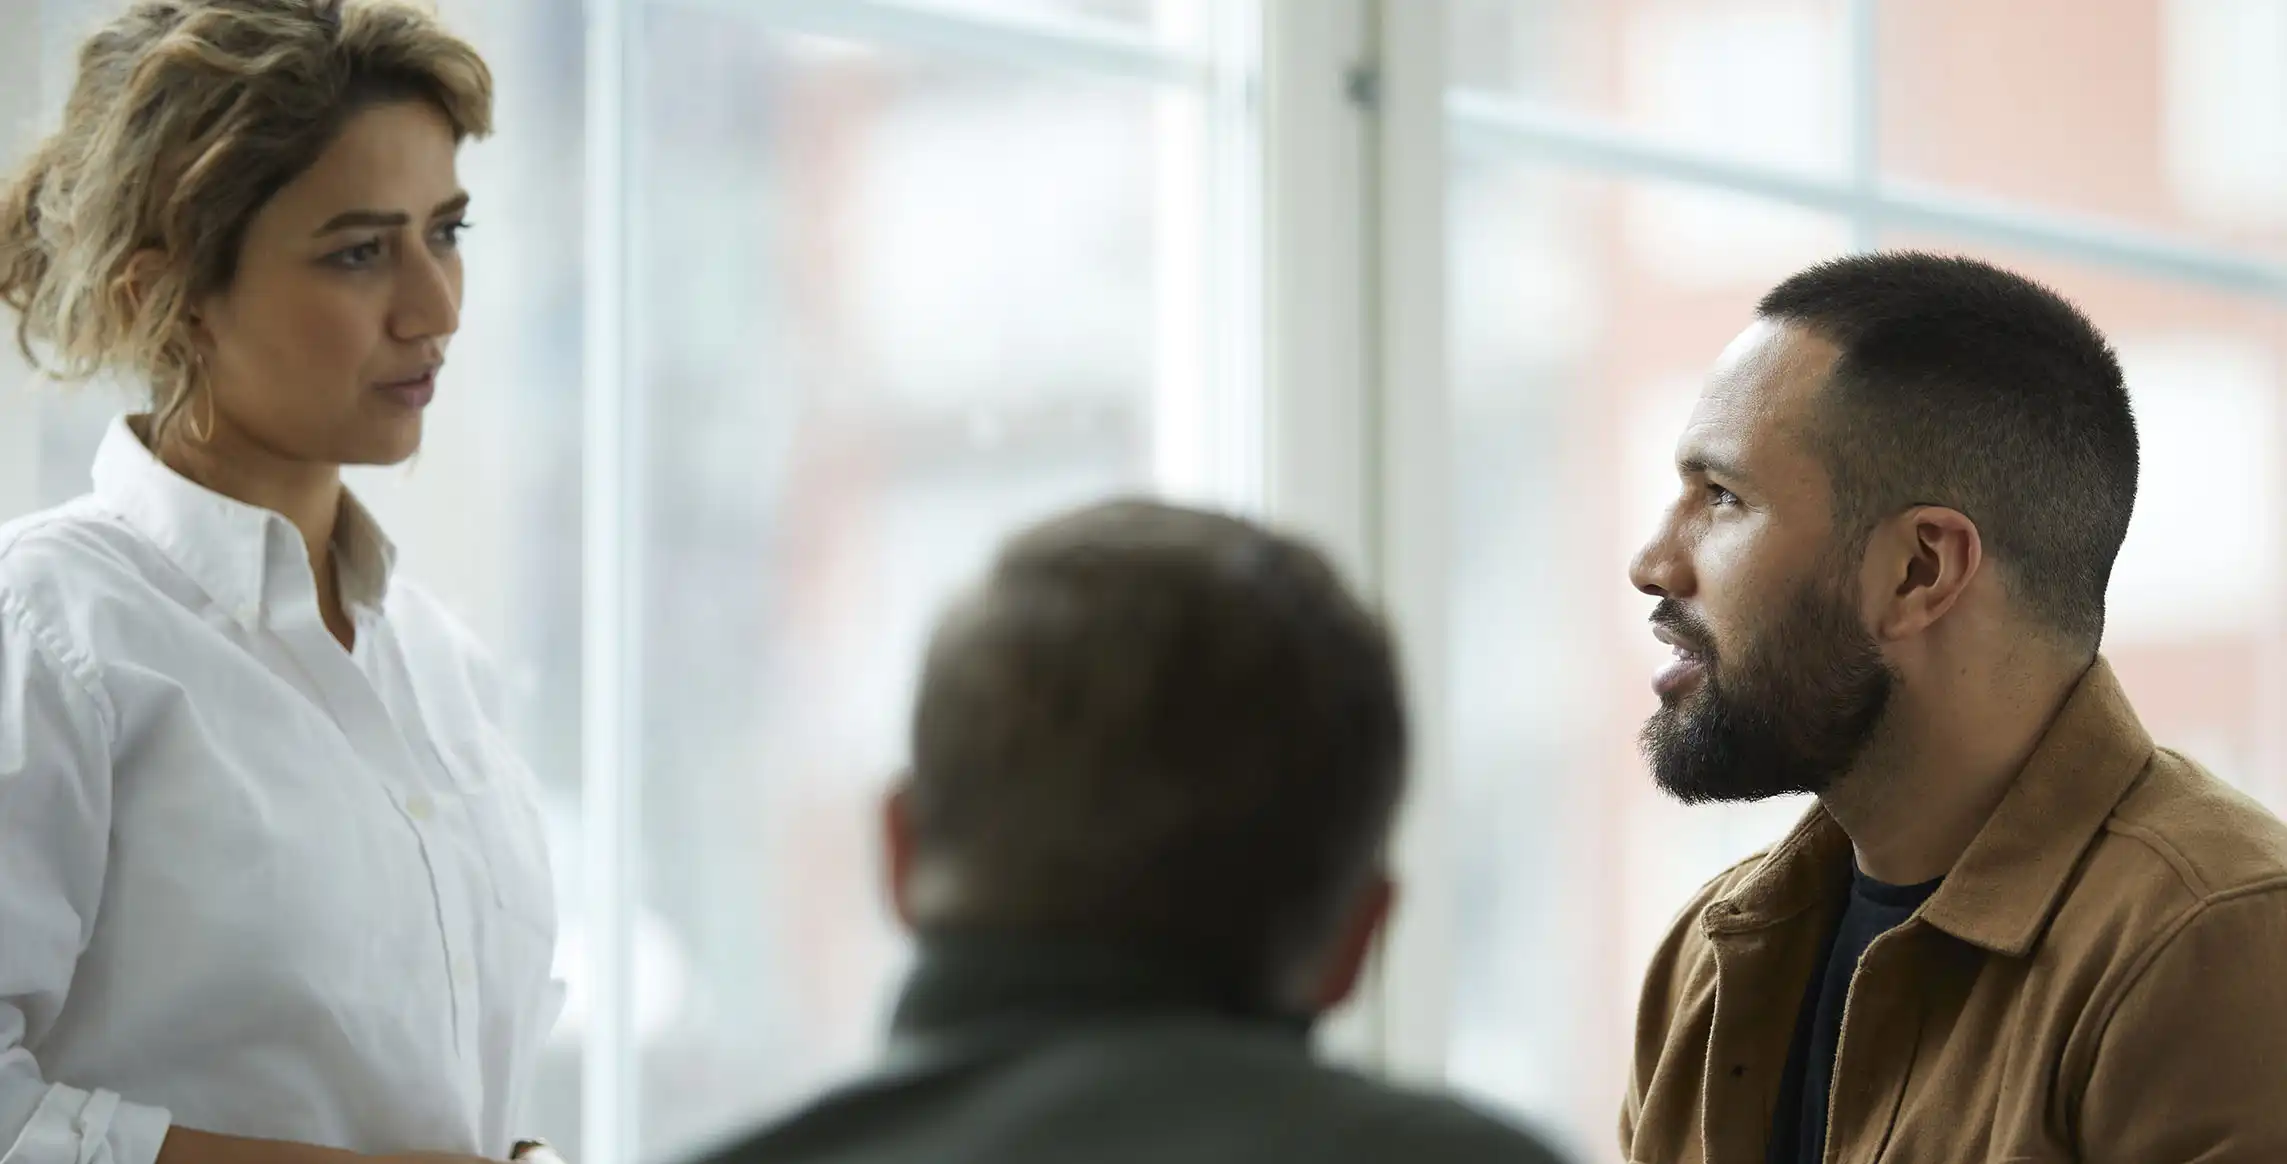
pixel 1552 137
pixel 1091 47
pixel 1863 79
pixel 611 480
pixel 1236 267
pixel 1410 505
pixel 1315 352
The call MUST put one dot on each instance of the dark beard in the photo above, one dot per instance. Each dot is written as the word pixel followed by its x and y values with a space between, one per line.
pixel 1791 715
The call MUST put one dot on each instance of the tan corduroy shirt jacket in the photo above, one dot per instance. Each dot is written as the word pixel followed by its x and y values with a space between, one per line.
pixel 2102 978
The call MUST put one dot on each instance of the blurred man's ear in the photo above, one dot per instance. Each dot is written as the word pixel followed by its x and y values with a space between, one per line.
pixel 1354 940
pixel 898 850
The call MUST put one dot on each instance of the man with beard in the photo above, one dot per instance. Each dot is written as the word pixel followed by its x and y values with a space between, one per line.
pixel 2011 929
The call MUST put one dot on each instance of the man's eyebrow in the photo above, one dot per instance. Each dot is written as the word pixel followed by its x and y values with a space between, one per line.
pixel 1706 464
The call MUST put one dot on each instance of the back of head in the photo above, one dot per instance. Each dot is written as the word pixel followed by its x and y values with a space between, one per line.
pixel 1160 728
pixel 1966 386
pixel 186 117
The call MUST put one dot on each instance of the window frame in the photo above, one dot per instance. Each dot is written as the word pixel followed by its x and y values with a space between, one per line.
pixel 1348 120
pixel 1280 445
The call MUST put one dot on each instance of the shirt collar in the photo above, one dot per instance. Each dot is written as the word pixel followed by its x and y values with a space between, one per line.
pixel 365 557
pixel 2007 885
pixel 245 557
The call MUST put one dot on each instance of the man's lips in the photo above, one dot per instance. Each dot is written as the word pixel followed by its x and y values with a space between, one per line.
pixel 1687 669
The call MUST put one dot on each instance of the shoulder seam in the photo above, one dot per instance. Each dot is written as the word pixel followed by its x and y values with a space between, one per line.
pixel 2166 850
pixel 30 524
pixel 2161 941
pixel 73 665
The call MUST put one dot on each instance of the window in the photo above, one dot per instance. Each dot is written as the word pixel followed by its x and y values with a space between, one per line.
pixel 899 278
pixel 488 516
pixel 1568 862
pixel 2166 114
pixel 890 299
pixel 781 312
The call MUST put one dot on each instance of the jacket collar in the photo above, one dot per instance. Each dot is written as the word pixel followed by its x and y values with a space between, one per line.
pixel 973 981
pixel 246 558
pixel 2007 885
pixel 2011 879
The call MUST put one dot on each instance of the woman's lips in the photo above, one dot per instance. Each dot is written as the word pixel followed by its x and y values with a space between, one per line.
pixel 415 393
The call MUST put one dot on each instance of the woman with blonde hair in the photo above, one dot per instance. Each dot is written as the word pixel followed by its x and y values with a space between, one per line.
pixel 272 887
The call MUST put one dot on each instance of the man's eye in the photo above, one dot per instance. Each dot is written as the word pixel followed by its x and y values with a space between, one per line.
pixel 1718 495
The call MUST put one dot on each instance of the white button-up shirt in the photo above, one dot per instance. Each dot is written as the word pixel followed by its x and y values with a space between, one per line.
pixel 251 882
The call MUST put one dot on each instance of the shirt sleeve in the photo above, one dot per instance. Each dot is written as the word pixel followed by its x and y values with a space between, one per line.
pixel 55 824
pixel 2193 1063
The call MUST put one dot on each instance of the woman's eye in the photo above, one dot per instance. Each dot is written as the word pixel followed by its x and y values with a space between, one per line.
pixel 357 257
pixel 449 234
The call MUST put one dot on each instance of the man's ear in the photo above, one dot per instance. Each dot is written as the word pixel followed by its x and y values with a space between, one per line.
pixel 1354 941
pixel 898 849
pixel 1922 561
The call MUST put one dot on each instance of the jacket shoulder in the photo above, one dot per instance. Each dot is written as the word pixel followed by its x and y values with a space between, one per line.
pixel 1160 1090
pixel 1403 1123
pixel 2191 836
pixel 2178 844
pixel 1227 1092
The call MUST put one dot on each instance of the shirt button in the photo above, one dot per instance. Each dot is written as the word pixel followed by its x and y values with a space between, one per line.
pixel 419 807
pixel 250 614
pixel 463 969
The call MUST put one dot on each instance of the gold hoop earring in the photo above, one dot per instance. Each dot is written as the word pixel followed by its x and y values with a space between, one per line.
pixel 197 434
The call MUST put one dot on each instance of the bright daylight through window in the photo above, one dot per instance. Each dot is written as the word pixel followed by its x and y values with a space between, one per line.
pixel 802 304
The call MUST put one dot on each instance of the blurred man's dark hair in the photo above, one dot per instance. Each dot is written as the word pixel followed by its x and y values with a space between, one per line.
pixel 1964 385
pixel 1156 754
pixel 1160 727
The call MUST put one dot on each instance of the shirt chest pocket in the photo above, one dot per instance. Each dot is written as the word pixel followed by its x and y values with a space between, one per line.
pixel 498 798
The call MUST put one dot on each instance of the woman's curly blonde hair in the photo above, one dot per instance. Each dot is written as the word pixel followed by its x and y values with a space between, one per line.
pixel 187 116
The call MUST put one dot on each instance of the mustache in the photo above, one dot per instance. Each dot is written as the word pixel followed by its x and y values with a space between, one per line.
pixel 1673 617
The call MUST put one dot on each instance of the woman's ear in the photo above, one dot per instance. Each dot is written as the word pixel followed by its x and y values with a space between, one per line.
pixel 139 281
pixel 141 275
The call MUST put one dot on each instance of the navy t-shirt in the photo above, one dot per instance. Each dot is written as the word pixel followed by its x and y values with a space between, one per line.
pixel 1798 1128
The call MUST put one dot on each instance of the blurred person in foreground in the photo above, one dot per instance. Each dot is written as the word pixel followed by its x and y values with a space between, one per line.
pixel 2011 928
pixel 273 887
pixel 1155 759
